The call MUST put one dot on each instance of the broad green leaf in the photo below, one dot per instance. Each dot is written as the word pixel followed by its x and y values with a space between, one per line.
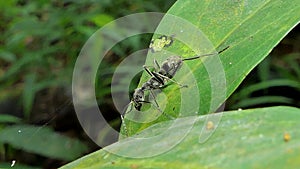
pixel 254 138
pixel 251 29
pixel 43 141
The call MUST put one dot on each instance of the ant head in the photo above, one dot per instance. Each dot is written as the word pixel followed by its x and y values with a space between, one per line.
pixel 138 106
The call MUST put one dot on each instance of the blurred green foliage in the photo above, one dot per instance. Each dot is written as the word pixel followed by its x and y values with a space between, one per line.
pixel 41 40
pixel 275 81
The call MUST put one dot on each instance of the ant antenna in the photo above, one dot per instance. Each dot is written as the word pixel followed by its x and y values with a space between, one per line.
pixel 197 57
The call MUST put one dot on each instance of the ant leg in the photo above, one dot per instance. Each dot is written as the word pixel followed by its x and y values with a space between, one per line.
pixel 153 74
pixel 165 77
pixel 156 63
pixel 123 115
pixel 153 96
pixel 157 106
pixel 147 70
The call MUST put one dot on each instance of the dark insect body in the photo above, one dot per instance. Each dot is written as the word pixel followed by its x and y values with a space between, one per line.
pixel 159 78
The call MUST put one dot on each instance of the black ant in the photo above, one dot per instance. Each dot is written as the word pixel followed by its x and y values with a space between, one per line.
pixel 158 79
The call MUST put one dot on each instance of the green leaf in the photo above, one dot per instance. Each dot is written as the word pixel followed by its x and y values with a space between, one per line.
pixel 101 19
pixel 241 99
pixel 264 69
pixel 262 100
pixel 251 138
pixel 251 29
pixel 6 118
pixel 267 84
pixel 28 94
pixel 43 141
pixel 7 56
pixel 18 67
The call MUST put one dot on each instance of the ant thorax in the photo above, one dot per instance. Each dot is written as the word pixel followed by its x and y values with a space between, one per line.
pixel 155 82
pixel 171 66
